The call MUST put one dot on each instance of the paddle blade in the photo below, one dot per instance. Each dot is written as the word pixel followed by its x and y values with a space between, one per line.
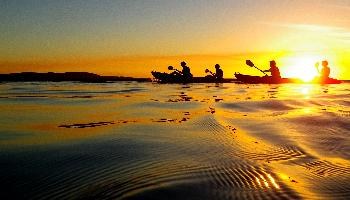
pixel 170 68
pixel 249 63
pixel 206 70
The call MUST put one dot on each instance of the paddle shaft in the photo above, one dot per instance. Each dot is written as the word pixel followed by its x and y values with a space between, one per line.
pixel 251 64
pixel 211 72
pixel 177 70
pixel 260 70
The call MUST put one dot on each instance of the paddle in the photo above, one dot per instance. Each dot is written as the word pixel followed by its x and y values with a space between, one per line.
pixel 208 71
pixel 251 64
pixel 317 67
pixel 172 68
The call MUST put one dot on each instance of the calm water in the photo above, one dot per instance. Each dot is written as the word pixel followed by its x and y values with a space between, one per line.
pixel 149 141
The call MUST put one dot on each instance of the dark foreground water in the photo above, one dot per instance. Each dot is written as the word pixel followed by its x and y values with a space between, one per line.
pixel 148 141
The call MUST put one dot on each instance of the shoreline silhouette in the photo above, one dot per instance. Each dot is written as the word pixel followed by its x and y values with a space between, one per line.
pixel 86 77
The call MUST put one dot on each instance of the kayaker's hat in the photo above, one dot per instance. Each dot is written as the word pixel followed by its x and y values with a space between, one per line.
pixel 272 62
pixel 217 66
pixel 183 63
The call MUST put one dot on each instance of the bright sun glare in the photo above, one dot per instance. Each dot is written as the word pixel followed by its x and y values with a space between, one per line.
pixel 302 67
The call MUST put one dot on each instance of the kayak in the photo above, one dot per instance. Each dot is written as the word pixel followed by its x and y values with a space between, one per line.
pixel 264 79
pixel 326 81
pixel 162 77
pixel 272 80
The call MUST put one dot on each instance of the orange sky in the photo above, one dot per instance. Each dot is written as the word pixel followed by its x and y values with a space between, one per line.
pixel 131 38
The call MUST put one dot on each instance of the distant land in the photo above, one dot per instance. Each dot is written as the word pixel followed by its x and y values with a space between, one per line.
pixel 85 77
pixel 66 76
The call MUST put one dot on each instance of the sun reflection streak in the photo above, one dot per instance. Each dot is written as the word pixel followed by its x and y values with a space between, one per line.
pixel 265 181
pixel 305 91
pixel 306 110
pixel 258 181
pixel 262 181
pixel 272 180
pixel 283 176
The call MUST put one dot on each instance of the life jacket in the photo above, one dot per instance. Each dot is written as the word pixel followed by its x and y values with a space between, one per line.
pixel 186 72
pixel 219 74
pixel 275 72
pixel 325 72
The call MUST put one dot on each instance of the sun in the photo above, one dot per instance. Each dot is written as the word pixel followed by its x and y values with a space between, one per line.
pixel 302 67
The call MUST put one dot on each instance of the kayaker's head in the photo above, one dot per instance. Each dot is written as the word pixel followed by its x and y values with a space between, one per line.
pixel 217 66
pixel 183 64
pixel 272 63
pixel 325 63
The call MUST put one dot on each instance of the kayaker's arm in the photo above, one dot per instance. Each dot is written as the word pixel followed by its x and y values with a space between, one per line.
pixel 251 64
pixel 175 70
pixel 178 71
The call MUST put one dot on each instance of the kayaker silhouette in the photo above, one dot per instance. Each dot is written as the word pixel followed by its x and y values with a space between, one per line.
pixel 325 71
pixel 186 71
pixel 275 72
pixel 276 77
pixel 185 74
pixel 218 75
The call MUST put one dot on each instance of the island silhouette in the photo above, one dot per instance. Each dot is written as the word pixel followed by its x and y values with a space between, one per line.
pixel 65 76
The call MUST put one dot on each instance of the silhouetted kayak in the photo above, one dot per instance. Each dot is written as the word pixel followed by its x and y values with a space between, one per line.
pixel 163 77
pixel 271 80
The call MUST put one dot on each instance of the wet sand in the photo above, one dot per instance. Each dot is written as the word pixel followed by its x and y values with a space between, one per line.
pixel 133 140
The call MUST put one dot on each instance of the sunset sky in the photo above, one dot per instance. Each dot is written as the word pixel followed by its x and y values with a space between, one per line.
pixel 133 37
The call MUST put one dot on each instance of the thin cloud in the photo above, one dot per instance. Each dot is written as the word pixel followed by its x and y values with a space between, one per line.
pixel 314 27
pixel 338 33
pixel 331 5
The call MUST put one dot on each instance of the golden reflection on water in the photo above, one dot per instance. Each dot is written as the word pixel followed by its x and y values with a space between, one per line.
pixel 298 91
pixel 306 92
pixel 258 181
pixel 206 111
pixel 272 180
pixel 264 181
pixel 283 176
pixel 306 110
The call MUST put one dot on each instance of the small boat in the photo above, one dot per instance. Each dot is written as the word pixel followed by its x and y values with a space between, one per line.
pixel 162 77
pixel 272 80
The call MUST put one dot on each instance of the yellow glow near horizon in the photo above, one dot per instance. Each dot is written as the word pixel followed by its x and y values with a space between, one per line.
pixel 302 67
pixel 292 64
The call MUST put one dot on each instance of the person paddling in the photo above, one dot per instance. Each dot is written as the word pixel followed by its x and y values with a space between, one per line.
pixel 218 75
pixel 325 71
pixel 275 72
pixel 186 71
pixel 184 75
